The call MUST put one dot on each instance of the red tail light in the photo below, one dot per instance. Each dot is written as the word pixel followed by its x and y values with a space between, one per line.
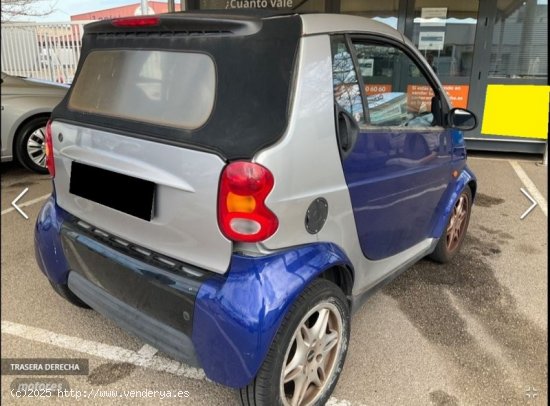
pixel 242 213
pixel 136 21
pixel 50 163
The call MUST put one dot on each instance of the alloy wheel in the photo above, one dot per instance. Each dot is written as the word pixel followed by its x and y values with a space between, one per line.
pixel 36 147
pixel 311 358
pixel 457 223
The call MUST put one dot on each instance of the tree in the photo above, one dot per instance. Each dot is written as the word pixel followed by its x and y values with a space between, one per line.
pixel 25 8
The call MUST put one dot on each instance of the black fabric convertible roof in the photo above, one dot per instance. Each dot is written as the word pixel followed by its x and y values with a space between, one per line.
pixel 254 57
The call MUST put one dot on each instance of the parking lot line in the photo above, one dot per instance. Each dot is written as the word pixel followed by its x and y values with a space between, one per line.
pixel 145 357
pixel 147 351
pixel 539 198
pixel 101 350
pixel 335 402
pixel 25 204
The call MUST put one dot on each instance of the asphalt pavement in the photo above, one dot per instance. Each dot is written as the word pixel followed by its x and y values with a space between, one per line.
pixel 473 332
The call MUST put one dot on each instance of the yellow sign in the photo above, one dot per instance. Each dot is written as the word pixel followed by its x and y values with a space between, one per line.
pixel 516 111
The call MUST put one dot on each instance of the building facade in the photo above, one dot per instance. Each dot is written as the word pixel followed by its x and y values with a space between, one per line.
pixel 491 56
pixel 154 7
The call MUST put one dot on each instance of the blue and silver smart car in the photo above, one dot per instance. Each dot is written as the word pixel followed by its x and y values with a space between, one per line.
pixel 230 188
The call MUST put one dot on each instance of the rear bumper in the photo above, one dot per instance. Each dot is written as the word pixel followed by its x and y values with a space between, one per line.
pixel 145 293
pixel 222 323
pixel 160 335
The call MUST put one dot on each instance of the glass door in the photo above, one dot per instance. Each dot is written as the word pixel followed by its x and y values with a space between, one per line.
pixel 513 51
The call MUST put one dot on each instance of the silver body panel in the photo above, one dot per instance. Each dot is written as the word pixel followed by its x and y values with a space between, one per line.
pixel 184 224
pixel 306 165
pixel 314 24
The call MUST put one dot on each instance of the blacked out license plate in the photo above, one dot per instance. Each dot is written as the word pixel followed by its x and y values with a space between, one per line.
pixel 124 193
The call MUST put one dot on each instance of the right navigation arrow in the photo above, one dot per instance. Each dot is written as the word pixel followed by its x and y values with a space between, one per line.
pixel 527 195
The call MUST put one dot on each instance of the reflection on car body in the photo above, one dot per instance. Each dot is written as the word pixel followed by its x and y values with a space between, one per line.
pixel 388 108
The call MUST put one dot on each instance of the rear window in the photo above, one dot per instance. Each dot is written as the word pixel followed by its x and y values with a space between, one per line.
pixel 175 89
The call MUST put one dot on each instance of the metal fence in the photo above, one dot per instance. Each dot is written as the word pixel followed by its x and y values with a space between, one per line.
pixel 48 51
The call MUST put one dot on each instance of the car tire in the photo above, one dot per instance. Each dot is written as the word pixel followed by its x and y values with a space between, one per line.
pixel 28 144
pixel 65 293
pixel 455 231
pixel 321 302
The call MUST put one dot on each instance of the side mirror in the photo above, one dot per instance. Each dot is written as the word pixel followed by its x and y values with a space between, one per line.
pixel 462 119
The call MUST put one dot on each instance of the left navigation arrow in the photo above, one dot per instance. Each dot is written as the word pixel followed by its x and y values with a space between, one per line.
pixel 13 203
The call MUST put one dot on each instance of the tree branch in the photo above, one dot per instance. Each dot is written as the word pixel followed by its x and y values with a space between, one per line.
pixel 25 8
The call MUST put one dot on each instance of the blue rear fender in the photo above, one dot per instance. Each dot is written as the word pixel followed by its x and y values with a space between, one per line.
pixel 237 316
pixel 449 199
pixel 47 243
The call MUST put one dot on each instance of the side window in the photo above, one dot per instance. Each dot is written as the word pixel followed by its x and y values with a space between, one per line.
pixel 398 93
pixel 346 86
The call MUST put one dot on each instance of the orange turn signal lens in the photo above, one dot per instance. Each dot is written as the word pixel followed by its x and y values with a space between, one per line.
pixel 240 204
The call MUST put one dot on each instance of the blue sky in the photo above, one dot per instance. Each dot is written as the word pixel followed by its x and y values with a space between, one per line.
pixel 65 8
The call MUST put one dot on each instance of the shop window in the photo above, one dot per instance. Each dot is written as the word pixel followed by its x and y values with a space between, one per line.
pixel 297 5
pixel 309 5
pixel 445 32
pixel 383 11
pixel 520 35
